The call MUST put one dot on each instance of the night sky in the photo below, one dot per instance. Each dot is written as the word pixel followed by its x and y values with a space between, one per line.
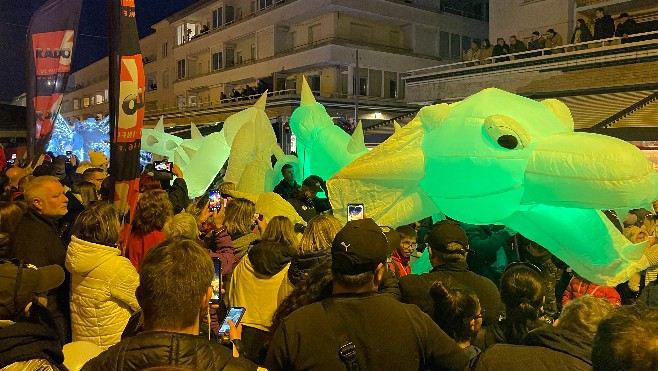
pixel 90 46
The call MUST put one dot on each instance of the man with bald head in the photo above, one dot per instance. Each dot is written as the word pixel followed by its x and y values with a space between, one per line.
pixel 37 241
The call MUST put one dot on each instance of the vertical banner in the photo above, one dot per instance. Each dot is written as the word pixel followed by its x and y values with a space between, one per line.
pixel 50 37
pixel 126 108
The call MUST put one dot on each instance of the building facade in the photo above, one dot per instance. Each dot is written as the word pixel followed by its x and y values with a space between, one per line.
pixel 198 58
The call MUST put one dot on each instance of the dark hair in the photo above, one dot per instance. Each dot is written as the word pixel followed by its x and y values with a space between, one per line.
pixel 454 309
pixel 98 224
pixel 153 209
pixel 499 39
pixel 87 192
pixel 406 231
pixel 353 281
pixel 285 167
pixel 10 216
pixel 522 291
pixel 600 10
pixel 87 174
pixel 453 252
pixel 147 183
pixel 626 340
pixel 486 42
pixel 581 22
pixel 314 286
pixel 173 278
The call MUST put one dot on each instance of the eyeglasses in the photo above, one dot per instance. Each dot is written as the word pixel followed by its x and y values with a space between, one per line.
pixel 481 315
pixel 413 245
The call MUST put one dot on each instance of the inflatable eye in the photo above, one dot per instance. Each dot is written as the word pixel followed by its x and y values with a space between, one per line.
pixel 506 132
pixel 508 141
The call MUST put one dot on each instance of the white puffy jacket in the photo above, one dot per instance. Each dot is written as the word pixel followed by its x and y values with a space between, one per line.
pixel 103 287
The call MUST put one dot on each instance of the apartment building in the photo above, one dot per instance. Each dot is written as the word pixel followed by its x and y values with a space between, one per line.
pixel 208 50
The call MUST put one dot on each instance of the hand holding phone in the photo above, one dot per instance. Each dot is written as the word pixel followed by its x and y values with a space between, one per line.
pixel 216 282
pixel 215 201
pixel 162 166
pixel 235 315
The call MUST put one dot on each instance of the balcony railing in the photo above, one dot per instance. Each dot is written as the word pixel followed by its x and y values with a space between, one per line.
pixel 536 59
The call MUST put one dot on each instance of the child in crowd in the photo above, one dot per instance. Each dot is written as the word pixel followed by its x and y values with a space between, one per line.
pixel 399 263
pixel 458 312
pixel 579 286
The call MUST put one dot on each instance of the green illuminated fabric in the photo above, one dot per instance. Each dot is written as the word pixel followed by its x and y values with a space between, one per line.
pixel 498 158
pixel 322 147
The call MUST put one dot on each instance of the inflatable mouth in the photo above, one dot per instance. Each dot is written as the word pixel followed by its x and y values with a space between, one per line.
pixel 589 171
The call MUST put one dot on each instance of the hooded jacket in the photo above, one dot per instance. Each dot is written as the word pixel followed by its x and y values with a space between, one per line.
pixel 257 281
pixel 546 348
pixel 29 346
pixel 303 263
pixel 103 287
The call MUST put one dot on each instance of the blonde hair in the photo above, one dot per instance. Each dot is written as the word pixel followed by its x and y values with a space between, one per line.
pixel 280 229
pixel 181 225
pixel 227 186
pixel 239 216
pixel 319 234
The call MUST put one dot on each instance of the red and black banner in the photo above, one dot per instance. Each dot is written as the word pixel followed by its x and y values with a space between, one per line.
pixel 50 38
pixel 126 108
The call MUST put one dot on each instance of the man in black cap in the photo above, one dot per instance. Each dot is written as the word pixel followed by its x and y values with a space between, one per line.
pixel 305 200
pixel 626 26
pixel 28 338
pixel 356 328
pixel 448 248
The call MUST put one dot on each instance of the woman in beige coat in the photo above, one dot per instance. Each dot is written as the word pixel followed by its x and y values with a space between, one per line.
pixel 103 282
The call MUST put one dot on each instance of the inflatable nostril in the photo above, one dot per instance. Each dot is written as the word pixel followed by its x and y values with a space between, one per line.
pixel 508 141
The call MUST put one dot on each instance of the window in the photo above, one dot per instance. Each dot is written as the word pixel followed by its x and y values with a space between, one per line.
pixel 375 82
pixel 455 48
pixel 185 32
pixel 262 4
pixel 180 101
pixel 390 84
pixel 99 97
pixel 76 103
pixel 107 95
pixel 253 52
pixel 165 49
pixel 444 44
pixel 182 71
pixel 217 61
pixel 238 57
pixel 314 82
pixel 313 33
pixel 217 19
pixel 85 102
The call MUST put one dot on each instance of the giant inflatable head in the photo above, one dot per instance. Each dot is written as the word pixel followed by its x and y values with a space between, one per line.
pixel 498 158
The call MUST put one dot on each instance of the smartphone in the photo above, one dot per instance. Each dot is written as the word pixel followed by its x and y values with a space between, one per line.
pixel 258 216
pixel 355 212
pixel 69 153
pixel 163 166
pixel 215 200
pixel 216 282
pixel 234 314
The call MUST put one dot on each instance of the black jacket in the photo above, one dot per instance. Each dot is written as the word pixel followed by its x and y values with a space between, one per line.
pixel 604 28
pixel 285 189
pixel 24 341
pixel 387 334
pixel 303 263
pixel 151 349
pixel 36 241
pixel 178 195
pixel 546 348
pixel 415 288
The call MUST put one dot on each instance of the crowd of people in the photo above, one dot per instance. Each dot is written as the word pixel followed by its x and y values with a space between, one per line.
pixel 603 28
pixel 437 295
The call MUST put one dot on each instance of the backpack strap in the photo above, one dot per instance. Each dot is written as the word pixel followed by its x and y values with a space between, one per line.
pixel 346 348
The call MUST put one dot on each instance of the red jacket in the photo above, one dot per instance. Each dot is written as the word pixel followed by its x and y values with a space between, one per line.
pixel 579 286
pixel 399 265
pixel 139 244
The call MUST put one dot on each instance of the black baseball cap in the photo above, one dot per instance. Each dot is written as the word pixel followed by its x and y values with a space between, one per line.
pixel 550 30
pixel 21 282
pixel 445 232
pixel 313 183
pixel 623 15
pixel 359 247
pixel 393 238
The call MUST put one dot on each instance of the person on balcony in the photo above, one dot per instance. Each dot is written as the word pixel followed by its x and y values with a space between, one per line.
pixel 501 48
pixel 581 34
pixel 473 54
pixel 604 25
pixel 517 46
pixel 553 40
pixel 626 26
pixel 486 52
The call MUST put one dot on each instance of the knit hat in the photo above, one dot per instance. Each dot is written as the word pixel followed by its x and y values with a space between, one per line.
pixel 359 247
pixel 445 232
pixel 20 282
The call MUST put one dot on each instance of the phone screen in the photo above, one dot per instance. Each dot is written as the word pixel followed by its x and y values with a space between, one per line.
pixel 215 200
pixel 216 282
pixel 13 156
pixel 355 212
pixel 234 314
pixel 162 166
